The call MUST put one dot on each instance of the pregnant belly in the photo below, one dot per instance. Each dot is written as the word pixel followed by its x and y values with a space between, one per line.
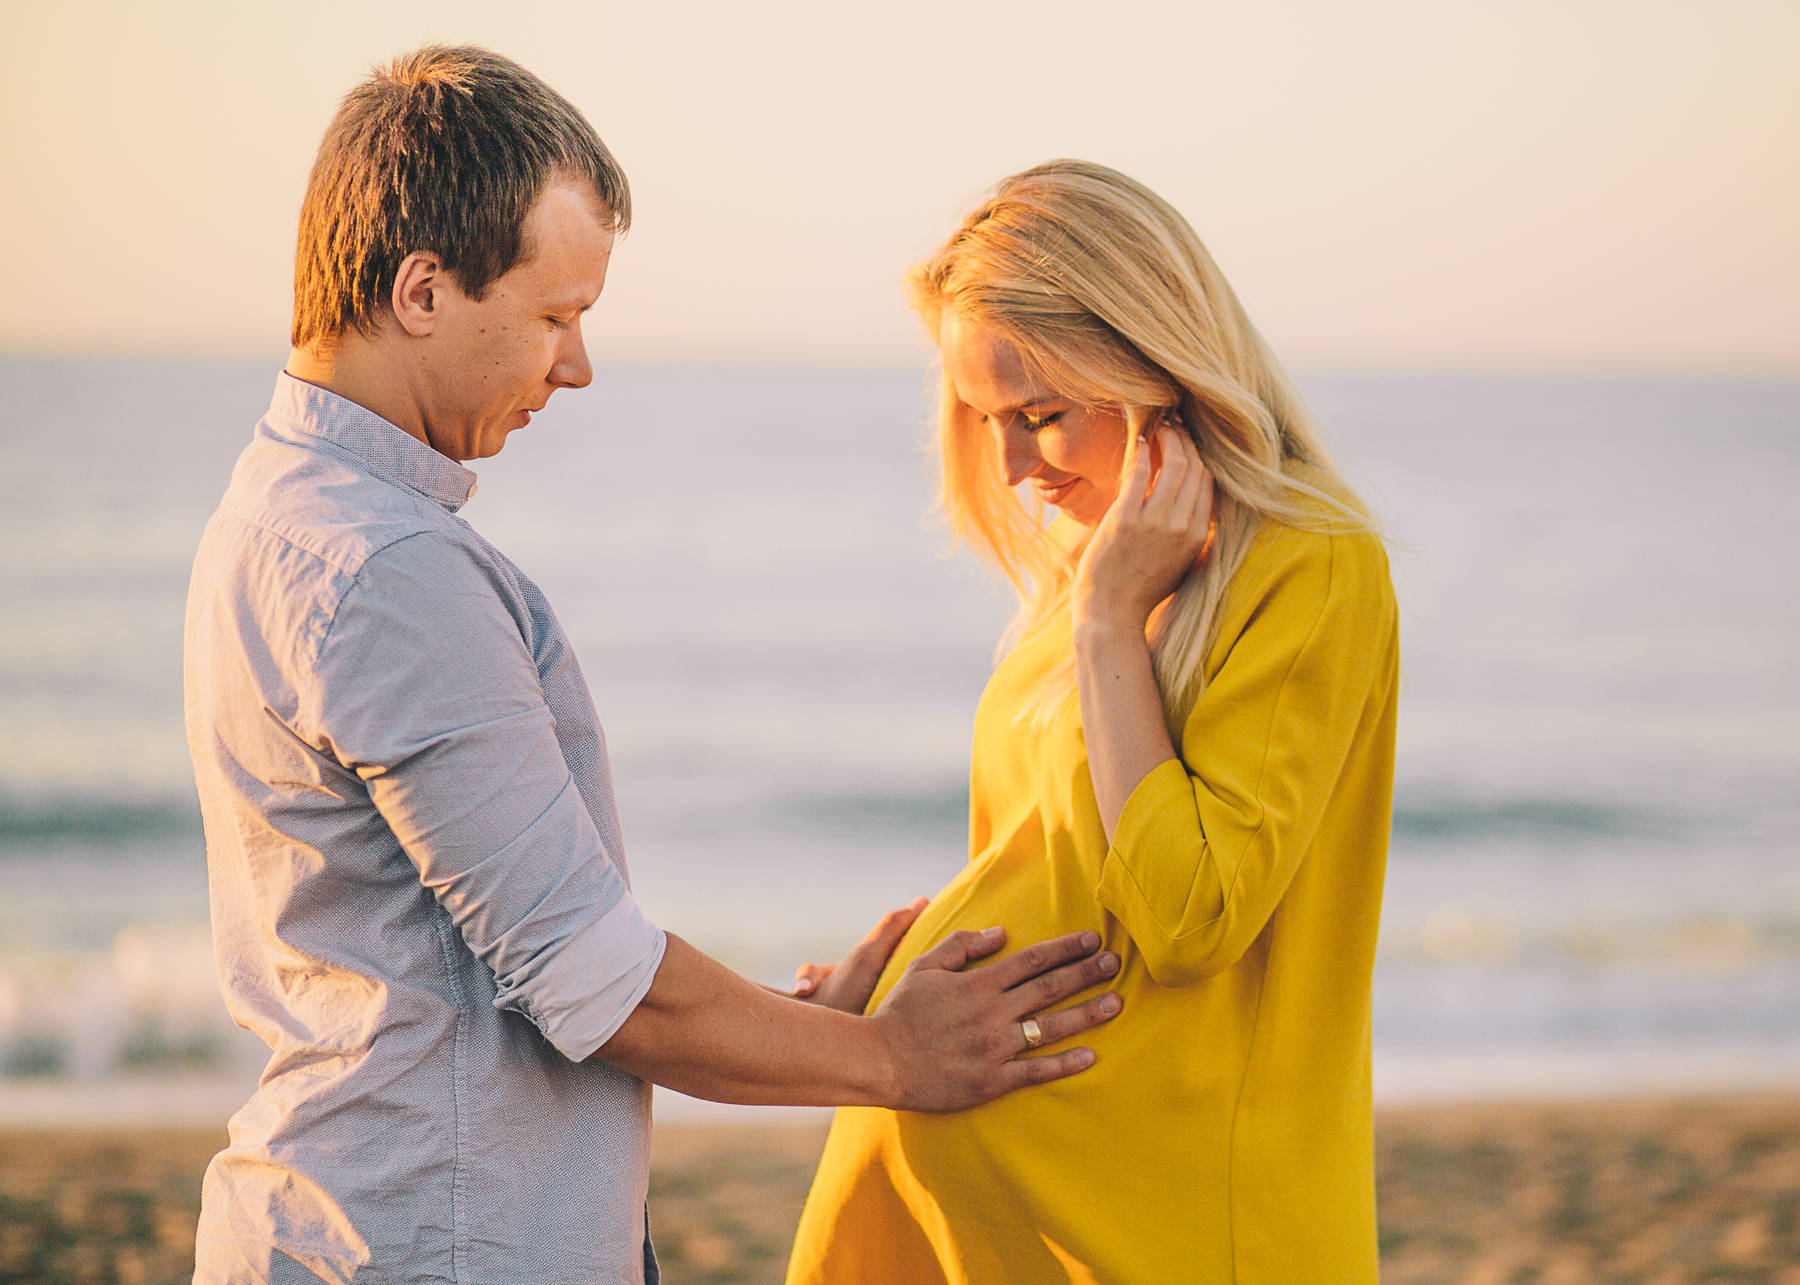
pixel 1032 886
pixel 1175 1045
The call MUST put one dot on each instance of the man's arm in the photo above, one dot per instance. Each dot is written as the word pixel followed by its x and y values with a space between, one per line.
pixel 425 689
pixel 943 1040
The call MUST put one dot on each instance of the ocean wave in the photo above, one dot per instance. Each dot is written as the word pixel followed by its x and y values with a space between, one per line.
pixel 1452 820
pixel 1418 818
pixel 90 821
pixel 94 821
pixel 935 809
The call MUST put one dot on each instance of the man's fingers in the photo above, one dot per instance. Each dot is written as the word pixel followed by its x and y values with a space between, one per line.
pixel 960 947
pixel 1059 1024
pixel 1053 987
pixel 1042 956
pixel 1023 1071
pixel 1054 1027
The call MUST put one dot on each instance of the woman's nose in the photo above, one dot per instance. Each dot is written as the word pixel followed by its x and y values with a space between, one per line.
pixel 1018 448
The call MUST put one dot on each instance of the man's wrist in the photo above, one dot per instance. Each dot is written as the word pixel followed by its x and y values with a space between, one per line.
pixel 888 1080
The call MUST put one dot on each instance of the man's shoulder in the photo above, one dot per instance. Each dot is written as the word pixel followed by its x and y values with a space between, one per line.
pixel 298 528
pixel 324 506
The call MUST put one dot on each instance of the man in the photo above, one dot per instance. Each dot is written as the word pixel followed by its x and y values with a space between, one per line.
pixel 419 892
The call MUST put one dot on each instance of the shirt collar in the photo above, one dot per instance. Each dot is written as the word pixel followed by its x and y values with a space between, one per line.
pixel 387 451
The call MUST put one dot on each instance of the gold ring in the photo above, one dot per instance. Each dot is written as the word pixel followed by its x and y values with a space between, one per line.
pixel 1034 1034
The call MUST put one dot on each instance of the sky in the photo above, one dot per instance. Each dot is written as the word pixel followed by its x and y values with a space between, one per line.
pixel 1604 185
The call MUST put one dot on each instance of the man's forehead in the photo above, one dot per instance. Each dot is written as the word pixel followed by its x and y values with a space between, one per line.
pixel 568 245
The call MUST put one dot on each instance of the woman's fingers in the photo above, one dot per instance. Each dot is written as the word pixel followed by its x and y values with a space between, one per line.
pixel 1203 501
pixel 1187 504
pixel 1134 473
pixel 1178 461
pixel 886 934
pixel 808 976
pixel 868 957
pixel 852 979
pixel 1184 505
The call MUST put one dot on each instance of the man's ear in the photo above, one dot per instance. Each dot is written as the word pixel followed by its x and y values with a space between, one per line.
pixel 419 287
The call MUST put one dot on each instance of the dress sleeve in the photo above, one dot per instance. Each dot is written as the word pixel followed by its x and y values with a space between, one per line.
pixel 425 688
pixel 1207 844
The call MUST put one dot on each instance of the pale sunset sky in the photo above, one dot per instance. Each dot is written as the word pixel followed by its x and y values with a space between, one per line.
pixel 1544 184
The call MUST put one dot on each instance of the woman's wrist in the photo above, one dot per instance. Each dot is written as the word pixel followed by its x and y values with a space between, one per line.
pixel 1100 631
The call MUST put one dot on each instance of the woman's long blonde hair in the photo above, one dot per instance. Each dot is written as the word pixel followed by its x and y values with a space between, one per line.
pixel 1111 298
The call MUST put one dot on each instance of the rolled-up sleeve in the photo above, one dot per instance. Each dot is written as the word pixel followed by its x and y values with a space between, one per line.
pixel 427 690
pixel 1207 844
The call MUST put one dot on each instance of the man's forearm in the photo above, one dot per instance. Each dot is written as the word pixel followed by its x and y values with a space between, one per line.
pixel 946 1036
pixel 709 1033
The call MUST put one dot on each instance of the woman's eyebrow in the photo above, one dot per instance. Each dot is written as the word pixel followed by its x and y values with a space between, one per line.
pixel 1025 407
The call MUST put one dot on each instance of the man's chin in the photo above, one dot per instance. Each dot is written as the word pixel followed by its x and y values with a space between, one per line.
pixel 487 447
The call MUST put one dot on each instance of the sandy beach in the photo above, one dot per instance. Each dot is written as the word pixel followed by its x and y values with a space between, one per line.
pixel 1653 1191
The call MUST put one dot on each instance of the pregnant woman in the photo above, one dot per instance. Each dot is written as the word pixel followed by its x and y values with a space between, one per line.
pixel 1187 746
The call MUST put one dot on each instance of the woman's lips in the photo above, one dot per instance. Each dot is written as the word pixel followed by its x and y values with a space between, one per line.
pixel 1055 494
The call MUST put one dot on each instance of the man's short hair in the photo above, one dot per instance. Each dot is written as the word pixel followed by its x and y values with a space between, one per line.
pixel 446 150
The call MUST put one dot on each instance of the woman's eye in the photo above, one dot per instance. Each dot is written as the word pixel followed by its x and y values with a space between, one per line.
pixel 1039 425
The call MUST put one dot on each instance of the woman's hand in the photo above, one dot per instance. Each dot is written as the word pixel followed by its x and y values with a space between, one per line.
pixel 1150 538
pixel 847 984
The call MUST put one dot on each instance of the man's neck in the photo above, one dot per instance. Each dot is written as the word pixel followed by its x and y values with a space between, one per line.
pixel 362 372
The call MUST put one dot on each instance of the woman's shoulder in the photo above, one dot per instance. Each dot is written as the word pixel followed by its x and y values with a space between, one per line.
pixel 1341 555
pixel 1296 573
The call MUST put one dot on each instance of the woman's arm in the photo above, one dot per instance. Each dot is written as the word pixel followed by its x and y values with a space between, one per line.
pixel 1207 845
pixel 1121 713
pixel 1137 556
pixel 1204 844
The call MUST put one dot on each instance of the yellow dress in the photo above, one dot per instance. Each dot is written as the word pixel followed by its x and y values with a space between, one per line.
pixel 1224 1133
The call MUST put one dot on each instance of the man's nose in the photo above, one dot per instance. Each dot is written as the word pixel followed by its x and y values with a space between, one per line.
pixel 572 368
pixel 1018 448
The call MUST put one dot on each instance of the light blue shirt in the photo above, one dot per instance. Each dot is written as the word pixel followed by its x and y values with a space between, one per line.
pixel 419 893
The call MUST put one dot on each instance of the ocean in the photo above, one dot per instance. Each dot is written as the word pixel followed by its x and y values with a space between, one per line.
pixel 1593 887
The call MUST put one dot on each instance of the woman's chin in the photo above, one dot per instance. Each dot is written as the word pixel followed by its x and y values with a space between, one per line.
pixel 1082 515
